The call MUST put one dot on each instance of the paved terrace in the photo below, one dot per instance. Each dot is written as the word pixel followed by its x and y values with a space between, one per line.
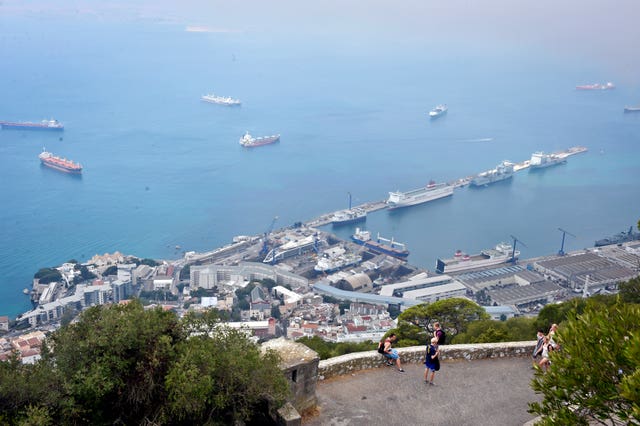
pixel 492 392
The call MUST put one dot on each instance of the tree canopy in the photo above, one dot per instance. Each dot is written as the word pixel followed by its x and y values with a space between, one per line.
pixel 126 365
pixel 454 316
pixel 595 377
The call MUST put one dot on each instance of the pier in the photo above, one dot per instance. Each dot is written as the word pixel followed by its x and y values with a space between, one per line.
pixel 373 206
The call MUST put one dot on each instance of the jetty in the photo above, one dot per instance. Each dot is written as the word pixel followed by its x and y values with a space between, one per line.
pixel 373 206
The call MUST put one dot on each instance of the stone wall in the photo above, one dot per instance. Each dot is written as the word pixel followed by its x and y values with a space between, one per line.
pixel 345 364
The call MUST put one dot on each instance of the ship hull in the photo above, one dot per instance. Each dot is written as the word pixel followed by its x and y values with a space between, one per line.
pixel 348 221
pixel 631 109
pixel 61 168
pixel 399 200
pixel 381 248
pixel 547 164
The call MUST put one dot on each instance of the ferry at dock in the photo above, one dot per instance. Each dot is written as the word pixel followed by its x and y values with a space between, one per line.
pixel 432 191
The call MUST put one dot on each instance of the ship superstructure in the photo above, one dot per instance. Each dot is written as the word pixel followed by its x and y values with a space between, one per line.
pixel 351 215
pixel 540 160
pixel 431 192
pixel 58 163
pixel 503 171
pixel 380 245
pixel 502 253
pixel 249 141
pixel 221 100
pixel 27 125
pixel 336 258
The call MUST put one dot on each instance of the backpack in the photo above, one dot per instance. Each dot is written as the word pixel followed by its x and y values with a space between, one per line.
pixel 442 337
pixel 381 347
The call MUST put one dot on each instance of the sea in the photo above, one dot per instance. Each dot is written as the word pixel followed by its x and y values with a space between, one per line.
pixel 164 172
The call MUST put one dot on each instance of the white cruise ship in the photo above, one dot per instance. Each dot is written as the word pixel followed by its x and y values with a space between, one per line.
pixel 540 160
pixel 502 171
pixel 438 111
pixel 220 100
pixel 462 261
pixel 431 192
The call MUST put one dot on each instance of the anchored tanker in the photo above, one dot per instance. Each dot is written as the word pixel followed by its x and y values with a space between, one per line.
pixel 249 141
pixel 61 164
pixel 27 125
pixel 431 192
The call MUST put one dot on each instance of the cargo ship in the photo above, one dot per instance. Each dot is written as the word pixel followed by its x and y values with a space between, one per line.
pixel 336 258
pixel 431 192
pixel 621 237
pixel 438 111
pixel 249 141
pixel 596 86
pixel 462 262
pixel 221 100
pixel 27 125
pixel 632 109
pixel 380 245
pixel 503 171
pixel 540 160
pixel 61 164
pixel 351 215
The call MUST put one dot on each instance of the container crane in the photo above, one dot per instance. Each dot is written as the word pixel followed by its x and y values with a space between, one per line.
pixel 561 252
pixel 513 251
pixel 265 239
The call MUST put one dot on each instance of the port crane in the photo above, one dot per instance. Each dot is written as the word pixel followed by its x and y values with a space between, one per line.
pixel 561 252
pixel 513 251
pixel 265 240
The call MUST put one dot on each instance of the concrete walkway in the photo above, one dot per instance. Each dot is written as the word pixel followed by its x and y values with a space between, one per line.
pixel 492 392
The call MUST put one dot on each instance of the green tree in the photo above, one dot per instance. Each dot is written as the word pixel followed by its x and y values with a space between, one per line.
pixel 454 315
pixel 48 275
pixel 595 377
pixel 630 291
pixel 111 270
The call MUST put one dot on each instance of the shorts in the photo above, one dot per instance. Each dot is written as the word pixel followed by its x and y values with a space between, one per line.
pixel 392 355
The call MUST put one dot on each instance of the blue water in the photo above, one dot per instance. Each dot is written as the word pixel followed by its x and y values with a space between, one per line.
pixel 163 169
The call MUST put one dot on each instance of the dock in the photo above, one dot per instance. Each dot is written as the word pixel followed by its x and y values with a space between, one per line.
pixel 373 206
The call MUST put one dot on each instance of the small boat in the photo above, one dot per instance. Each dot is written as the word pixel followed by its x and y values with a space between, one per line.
pixel 632 109
pixel 438 111
pixel 220 100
